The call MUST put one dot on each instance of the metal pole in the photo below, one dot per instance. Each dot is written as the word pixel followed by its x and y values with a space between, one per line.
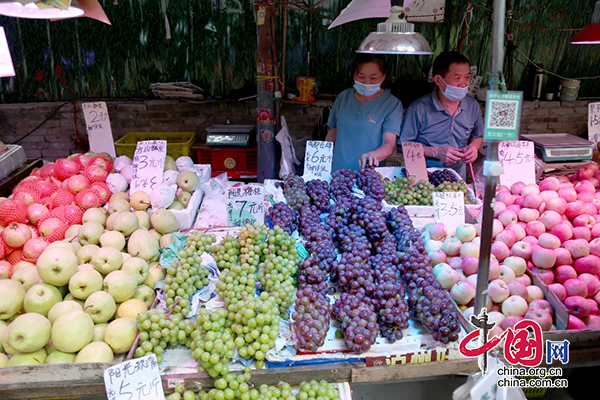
pixel 492 155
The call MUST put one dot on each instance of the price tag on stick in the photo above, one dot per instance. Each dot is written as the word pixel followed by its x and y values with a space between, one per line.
pixel 594 123
pixel 518 162
pixel 245 204
pixel 414 161
pixel 449 209
pixel 97 124
pixel 148 165
pixel 317 160
pixel 137 379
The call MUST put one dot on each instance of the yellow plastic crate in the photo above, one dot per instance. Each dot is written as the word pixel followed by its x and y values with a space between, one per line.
pixel 178 143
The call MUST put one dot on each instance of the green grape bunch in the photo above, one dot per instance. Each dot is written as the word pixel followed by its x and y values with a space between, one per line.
pixel 199 242
pixel 212 342
pixel 226 253
pixel 158 330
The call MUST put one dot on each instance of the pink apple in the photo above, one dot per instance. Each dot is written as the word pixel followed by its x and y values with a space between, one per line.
pixel 575 287
pixel 514 305
pixel 455 263
pixel 498 291
pixel 577 247
pixel 504 197
pixel 592 282
pixel 466 232
pixel 470 265
pixel 543 304
pixel 500 250
pixel 530 188
pixel 543 258
pixel 550 219
pixel 532 240
pixel 517 187
pixel 545 275
pixel 557 204
pixel 575 324
pixel 528 214
pixel 498 208
pixel 507 237
pixel 594 310
pixel 563 231
pixel 559 291
pixel 451 246
pixel 582 232
pixel 549 241
pixel 584 186
pixel 541 317
pixel 77 183
pixel 534 293
pixel 573 209
pixel 522 249
pixel 550 183
pixel 591 322
pixel 496 317
pixel 596 230
pixel 589 264
pixel 563 257
pixel 517 264
pixel 567 193
pixel 518 230
pixel 469 249
pixel 507 217
pixel 548 195
pixel 584 220
pixel 577 306
pixel 514 208
pixel 524 279
pixel 462 292
pixel 564 273
pixel 586 197
pixel 437 257
pixel 506 273
pixel 510 321
pixel 590 208
pixel 494 271
pixel 595 247
pixel 438 231
pixel 532 200
pixel 497 227
pixel 517 288
pixel 472 279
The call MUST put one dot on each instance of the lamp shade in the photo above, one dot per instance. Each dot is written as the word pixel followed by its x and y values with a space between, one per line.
pixel 31 11
pixel 588 35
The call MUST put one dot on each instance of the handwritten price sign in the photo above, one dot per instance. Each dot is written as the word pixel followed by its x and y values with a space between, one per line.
pixel 449 209
pixel 594 123
pixel 245 205
pixel 414 161
pixel 98 127
pixel 518 162
pixel 317 160
pixel 137 379
pixel 148 165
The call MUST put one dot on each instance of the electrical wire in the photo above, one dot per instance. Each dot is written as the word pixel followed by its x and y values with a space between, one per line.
pixel 43 122
pixel 550 72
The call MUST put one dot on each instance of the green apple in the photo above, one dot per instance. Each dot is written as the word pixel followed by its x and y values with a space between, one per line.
pixel 146 294
pixel 84 283
pixel 12 297
pixel 107 259
pixel 138 266
pixel 27 276
pixel 126 223
pixel 140 200
pixel 143 244
pixel 165 240
pixel 57 265
pixel 96 214
pixel 99 332
pixel 121 285
pixel 100 306
pixel 62 308
pixel 131 308
pixel 29 332
pixel 85 253
pixel 95 352
pixel 118 204
pixel 120 334
pixel 59 357
pixel 40 298
pixel 164 221
pixel 188 181
pixel 143 218
pixel 69 297
pixel 72 232
pixel 3 360
pixel 114 239
pixel 184 198
pixel 175 205
pixel 34 358
pixel 90 232
pixel 72 331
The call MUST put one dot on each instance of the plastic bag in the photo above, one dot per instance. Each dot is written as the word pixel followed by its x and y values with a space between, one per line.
pixel 121 162
pixel 116 183
pixel 163 195
pixel 288 155
pixel 215 187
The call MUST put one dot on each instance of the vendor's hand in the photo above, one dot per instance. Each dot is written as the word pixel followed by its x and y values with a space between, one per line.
pixel 470 154
pixel 449 155
pixel 366 160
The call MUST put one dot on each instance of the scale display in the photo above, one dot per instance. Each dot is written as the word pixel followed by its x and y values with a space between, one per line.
pixel 556 147
pixel 235 139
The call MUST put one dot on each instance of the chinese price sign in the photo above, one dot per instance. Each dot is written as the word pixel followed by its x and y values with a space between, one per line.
pixel 6 64
pixel 148 165
pixel 317 160
pixel 245 204
pixel 414 161
pixel 137 379
pixel 97 124
pixel 502 115
pixel 449 209
pixel 518 162
pixel 594 123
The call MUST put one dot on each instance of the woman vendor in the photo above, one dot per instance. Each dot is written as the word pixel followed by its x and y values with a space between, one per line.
pixel 365 120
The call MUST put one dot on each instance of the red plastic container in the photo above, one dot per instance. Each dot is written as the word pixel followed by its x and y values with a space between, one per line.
pixel 237 162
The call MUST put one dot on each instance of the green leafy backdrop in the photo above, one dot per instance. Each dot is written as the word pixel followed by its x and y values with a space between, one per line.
pixel 213 44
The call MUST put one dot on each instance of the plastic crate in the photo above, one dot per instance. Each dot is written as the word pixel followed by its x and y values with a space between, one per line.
pixel 235 161
pixel 178 143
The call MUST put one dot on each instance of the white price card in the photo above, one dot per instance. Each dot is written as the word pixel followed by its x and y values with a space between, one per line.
pixel 148 165
pixel 317 160
pixel 449 209
pixel 97 124
pixel 245 204
pixel 594 123
pixel 6 64
pixel 414 161
pixel 518 162
pixel 137 379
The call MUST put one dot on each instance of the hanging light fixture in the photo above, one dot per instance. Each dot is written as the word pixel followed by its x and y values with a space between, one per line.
pixel 591 33
pixel 34 9
pixel 395 36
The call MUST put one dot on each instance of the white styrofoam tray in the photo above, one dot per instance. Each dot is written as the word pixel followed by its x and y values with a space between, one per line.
pixel 11 159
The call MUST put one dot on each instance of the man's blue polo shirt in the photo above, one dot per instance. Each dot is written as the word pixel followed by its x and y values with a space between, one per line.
pixel 360 126
pixel 427 121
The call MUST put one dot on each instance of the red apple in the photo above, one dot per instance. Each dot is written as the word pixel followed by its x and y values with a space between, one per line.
pixel 543 304
pixel 567 193
pixel 563 231
pixel 545 275
pixel 589 264
pixel 575 287
pixel 575 324
pixel 505 198
pixel 541 317
pixel 557 204
pixel 532 200
pixel 507 217
pixel 500 250
pixel 517 288
pixel 550 183
pixel 577 306
pixel 514 208
pixel 510 321
pixel 470 265
pixel 584 220
pixel 494 271
pixel 596 230
pixel 530 188
pixel 559 290
pixel 532 240
pixel 521 249
pixel 437 257
pixel 543 258
pixel 437 231
pixel 592 282
pixel 517 187
pixel 498 291
pixel 583 174
pixel 507 237
pixel 581 232
pixel 518 230
pixel 577 247
pixel 564 273
pixel 455 263
pixel 524 279
pixel 573 209
pixel 498 208
pixel 590 208
pixel 548 195
pixel 563 257
pixel 535 228
pixel 550 219
pixel 591 322
pixel 594 310
pixel 586 197
pixel 595 247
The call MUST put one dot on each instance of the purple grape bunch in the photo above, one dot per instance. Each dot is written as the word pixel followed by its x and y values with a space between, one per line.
pixel 318 191
pixel 358 321
pixel 311 318
pixel 342 182
pixel 281 214
pixel 294 190
pixel 371 184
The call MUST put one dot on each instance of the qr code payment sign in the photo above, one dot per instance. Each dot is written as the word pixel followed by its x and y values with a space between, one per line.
pixel 503 114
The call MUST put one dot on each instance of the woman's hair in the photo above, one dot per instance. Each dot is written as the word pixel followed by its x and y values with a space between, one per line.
pixel 363 58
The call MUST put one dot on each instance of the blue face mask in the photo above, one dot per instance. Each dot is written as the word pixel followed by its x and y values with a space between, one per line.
pixel 455 93
pixel 366 89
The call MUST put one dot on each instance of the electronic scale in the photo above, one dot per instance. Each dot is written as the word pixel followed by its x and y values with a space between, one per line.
pixel 228 135
pixel 560 147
